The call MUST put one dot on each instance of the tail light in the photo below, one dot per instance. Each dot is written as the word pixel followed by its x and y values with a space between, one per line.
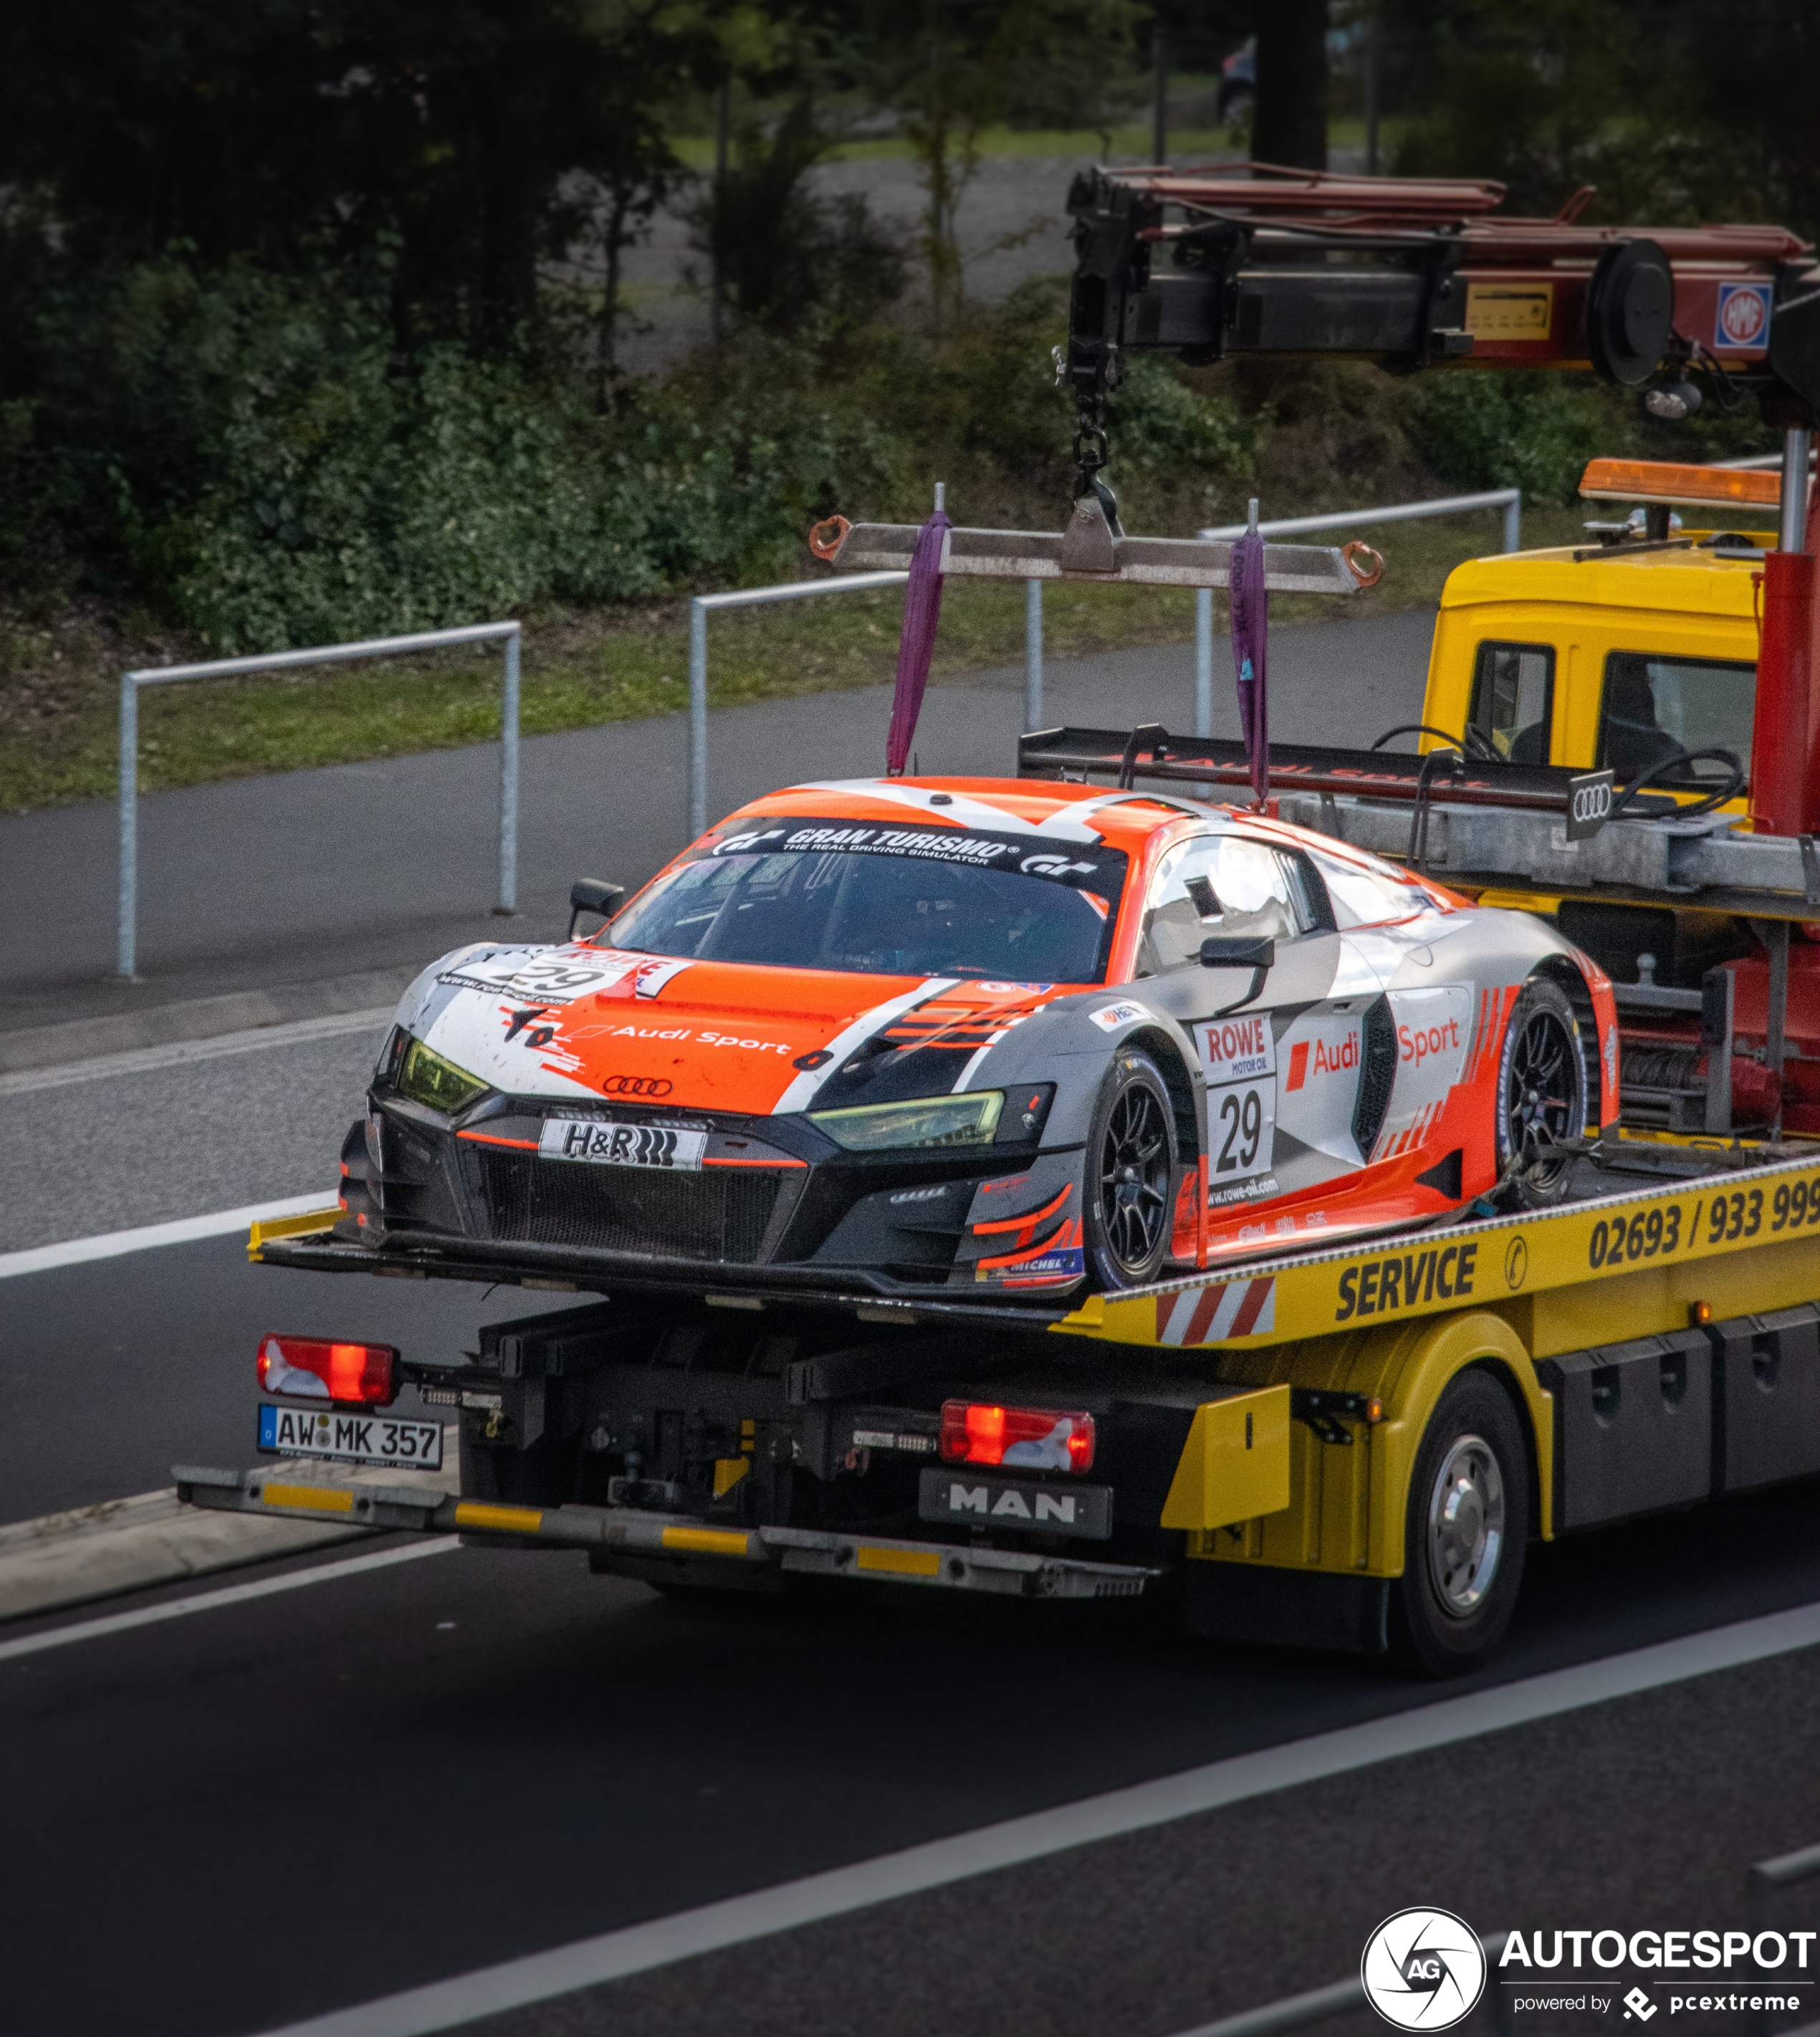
pixel 1024 1438
pixel 313 1369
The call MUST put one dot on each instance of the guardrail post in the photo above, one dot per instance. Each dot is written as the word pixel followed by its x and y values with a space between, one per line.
pixel 508 779
pixel 697 718
pixel 126 956
pixel 1513 521
pixel 1203 661
pixel 1032 654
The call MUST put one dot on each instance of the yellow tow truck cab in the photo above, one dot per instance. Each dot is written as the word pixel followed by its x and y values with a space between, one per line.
pixel 1593 656
pixel 1623 653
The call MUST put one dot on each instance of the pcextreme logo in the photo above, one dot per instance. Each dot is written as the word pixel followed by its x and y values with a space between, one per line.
pixel 1423 1970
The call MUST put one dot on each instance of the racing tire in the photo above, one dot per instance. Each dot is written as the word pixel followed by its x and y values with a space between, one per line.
pixel 1129 1174
pixel 1541 1094
pixel 1465 1530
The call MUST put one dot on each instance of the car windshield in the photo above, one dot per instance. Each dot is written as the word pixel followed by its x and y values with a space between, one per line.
pixel 816 894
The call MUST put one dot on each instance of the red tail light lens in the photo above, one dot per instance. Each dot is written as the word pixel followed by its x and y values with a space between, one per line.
pixel 1023 1438
pixel 313 1369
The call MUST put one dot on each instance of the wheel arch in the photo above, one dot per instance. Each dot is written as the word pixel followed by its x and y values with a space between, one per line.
pixel 1564 973
pixel 1184 1096
pixel 1427 1360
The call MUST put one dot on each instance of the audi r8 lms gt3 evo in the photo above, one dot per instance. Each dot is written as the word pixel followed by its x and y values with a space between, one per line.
pixel 992 1035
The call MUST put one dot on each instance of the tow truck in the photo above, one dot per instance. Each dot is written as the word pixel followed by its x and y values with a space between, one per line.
pixel 1338 1447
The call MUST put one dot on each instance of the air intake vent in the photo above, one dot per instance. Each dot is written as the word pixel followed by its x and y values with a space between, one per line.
pixel 1377 1073
pixel 719 1213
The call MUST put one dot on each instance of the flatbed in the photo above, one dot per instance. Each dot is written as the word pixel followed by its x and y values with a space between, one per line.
pixel 1655 1338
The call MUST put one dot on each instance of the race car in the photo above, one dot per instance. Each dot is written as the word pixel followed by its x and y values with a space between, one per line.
pixel 1007 1037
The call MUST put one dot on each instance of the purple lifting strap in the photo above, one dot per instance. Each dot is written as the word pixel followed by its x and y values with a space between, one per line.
pixel 923 610
pixel 1251 618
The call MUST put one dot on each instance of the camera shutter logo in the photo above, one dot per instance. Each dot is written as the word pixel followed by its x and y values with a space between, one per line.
pixel 1423 1970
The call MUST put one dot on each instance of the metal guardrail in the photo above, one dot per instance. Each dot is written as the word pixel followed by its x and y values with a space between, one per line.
pixel 1321 2004
pixel 329 653
pixel 700 608
pixel 1509 499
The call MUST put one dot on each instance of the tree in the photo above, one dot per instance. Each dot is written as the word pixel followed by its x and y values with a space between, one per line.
pixel 956 67
pixel 1290 123
pixel 259 130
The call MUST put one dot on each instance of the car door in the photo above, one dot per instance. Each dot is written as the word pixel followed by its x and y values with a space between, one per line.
pixel 1390 926
pixel 1282 1070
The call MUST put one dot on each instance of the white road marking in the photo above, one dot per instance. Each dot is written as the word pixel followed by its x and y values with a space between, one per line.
pixel 492 1991
pixel 180 1054
pixel 178 1608
pixel 184 1230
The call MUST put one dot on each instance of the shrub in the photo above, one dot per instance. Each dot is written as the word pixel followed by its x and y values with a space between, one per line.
pixel 1533 432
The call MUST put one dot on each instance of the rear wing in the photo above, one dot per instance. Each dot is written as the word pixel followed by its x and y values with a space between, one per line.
pixel 1151 752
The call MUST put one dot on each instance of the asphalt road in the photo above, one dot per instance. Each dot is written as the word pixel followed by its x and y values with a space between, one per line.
pixel 149 1145
pixel 272 1810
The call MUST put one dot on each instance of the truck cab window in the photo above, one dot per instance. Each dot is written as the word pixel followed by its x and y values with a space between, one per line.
pixel 1653 707
pixel 1513 699
pixel 1224 884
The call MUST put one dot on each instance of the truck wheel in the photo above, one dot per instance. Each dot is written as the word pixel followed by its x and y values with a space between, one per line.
pixel 1542 1092
pixel 1130 1169
pixel 1466 1529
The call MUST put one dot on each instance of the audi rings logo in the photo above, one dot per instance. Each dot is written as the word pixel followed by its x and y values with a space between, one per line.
pixel 1423 1970
pixel 650 1087
pixel 1589 798
pixel 1591 803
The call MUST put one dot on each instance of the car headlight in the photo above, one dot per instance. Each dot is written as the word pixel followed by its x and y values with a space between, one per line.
pixel 926 1120
pixel 426 1077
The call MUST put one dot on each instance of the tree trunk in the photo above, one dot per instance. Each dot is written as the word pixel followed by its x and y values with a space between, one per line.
pixel 1290 125
pixel 607 357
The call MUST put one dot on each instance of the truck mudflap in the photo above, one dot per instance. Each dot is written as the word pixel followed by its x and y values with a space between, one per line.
pixel 604 1531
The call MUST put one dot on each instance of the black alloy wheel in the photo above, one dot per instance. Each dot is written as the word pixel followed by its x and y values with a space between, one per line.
pixel 1130 1171
pixel 1541 1093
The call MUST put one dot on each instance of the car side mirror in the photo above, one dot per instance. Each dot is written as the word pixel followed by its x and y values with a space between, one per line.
pixel 1238 951
pixel 1252 951
pixel 592 894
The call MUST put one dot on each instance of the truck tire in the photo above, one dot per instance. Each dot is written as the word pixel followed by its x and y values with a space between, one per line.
pixel 1465 1530
pixel 1129 1169
pixel 1541 1092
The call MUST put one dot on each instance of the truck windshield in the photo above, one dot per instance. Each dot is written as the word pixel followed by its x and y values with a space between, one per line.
pixel 1655 707
pixel 816 894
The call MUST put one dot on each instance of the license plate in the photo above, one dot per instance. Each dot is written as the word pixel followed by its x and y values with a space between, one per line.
pixel 621 1145
pixel 964 1499
pixel 366 1439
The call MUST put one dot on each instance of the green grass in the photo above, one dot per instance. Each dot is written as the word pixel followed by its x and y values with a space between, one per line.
pixel 580 671
pixel 1131 142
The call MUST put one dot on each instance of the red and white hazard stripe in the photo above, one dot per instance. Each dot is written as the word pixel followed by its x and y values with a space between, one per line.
pixel 1211 1315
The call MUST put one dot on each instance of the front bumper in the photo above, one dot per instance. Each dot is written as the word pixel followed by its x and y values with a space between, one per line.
pixel 771 1203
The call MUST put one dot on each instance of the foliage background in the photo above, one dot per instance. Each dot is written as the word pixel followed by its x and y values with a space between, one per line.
pixel 310 312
